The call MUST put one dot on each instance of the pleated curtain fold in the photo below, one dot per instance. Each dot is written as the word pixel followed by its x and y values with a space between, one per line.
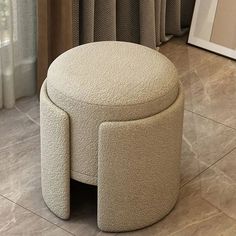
pixel 75 22
pixel 148 22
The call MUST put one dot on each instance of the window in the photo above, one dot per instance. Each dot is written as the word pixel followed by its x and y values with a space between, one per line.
pixel 8 24
pixel 4 16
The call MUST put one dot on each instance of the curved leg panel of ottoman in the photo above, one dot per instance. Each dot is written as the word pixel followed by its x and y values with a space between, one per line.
pixel 138 169
pixel 55 157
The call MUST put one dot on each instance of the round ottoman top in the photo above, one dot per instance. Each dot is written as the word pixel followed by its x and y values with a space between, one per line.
pixel 114 74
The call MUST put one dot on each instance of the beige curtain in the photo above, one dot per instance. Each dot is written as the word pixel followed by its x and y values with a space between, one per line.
pixel 63 24
pixel 148 22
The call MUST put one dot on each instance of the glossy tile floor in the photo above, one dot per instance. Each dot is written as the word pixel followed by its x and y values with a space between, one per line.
pixel 207 202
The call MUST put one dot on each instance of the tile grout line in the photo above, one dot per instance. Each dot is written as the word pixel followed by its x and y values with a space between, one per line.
pixel 233 149
pixel 27 115
pixel 19 142
pixel 219 209
pixel 210 119
pixel 36 214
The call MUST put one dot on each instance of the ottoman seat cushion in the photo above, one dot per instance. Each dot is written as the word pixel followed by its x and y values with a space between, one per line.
pixel 107 81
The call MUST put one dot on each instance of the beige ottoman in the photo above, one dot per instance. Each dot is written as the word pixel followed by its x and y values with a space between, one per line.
pixel 111 116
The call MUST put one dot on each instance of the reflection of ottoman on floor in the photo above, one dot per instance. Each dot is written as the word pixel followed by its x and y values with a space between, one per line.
pixel 111 116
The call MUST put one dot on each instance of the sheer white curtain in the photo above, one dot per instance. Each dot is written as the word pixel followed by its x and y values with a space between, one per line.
pixel 17 50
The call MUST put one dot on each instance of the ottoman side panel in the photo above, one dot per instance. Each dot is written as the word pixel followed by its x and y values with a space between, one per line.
pixel 55 156
pixel 139 169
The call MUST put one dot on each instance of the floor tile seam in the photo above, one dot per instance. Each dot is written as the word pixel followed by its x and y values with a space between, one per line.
pixel 18 142
pixel 222 212
pixel 27 115
pixel 19 205
pixel 205 117
pixel 210 166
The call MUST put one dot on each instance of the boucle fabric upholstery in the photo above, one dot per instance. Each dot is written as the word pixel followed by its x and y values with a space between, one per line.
pixel 138 169
pixel 55 156
pixel 107 81
pixel 112 116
